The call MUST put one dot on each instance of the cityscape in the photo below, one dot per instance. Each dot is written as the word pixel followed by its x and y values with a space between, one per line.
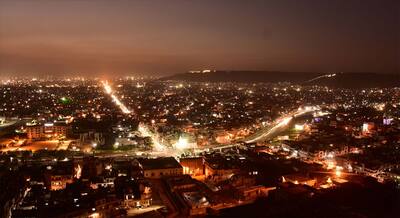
pixel 92 147
pixel 198 142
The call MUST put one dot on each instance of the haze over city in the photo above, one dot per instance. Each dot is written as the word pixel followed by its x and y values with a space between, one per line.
pixel 153 37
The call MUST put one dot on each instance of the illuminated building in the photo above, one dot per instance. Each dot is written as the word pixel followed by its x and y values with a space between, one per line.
pixel 59 176
pixel 299 179
pixel 387 121
pixel 59 182
pixel 192 166
pixel 47 130
pixel 367 128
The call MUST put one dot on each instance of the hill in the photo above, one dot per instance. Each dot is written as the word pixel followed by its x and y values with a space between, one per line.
pixel 339 80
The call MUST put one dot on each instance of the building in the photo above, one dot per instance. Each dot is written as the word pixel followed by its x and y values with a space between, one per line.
pixel 57 177
pixel 219 169
pixel 193 166
pixel 251 193
pixel 47 130
pixel 196 202
pixel 60 181
pixel 368 128
pixel 91 167
pixel 299 179
pixel 157 168
pixel 176 183
pixel 90 136
pixel 189 196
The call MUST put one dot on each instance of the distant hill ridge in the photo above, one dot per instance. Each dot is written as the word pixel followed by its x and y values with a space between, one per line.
pixel 339 80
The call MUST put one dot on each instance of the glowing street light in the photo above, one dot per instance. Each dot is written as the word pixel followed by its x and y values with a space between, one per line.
pixel 78 171
pixel 182 143
pixel 299 127
pixel 338 171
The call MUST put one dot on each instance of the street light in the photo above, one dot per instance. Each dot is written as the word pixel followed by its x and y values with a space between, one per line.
pixel 338 171
pixel 94 145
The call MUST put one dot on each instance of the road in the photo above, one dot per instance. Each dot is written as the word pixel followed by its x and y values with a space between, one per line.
pixel 108 89
pixel 279 125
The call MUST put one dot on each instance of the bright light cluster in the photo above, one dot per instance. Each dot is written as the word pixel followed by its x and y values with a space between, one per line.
pixel 145 132
pixel 182 143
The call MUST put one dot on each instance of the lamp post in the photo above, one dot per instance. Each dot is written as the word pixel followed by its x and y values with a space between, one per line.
pixel 94 145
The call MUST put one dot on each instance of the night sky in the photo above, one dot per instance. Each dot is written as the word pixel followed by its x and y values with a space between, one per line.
pixel 83 37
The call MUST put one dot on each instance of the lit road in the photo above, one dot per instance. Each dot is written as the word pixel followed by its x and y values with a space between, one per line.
pixel 8 124
pixel 157 142
pixel 109 91
pixel 159 147
pixel 279 125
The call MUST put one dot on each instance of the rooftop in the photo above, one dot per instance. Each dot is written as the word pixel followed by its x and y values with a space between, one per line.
pixel 159 163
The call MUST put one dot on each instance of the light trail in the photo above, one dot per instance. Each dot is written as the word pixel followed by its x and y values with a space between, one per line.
pixel 145 132
pixel 143 129
pixel 158 145
pixel 108 89
pixel 283 122
pixel 320 77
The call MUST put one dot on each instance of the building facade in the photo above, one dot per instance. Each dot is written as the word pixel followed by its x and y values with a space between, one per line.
pixel 47 130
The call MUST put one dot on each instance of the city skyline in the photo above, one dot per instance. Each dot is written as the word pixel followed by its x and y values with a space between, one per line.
pixel 228 108
pixel 151 38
